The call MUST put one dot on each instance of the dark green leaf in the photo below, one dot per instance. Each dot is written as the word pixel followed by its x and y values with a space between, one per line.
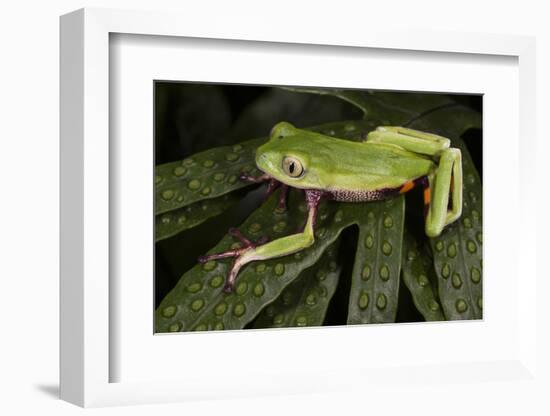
pixel 375 279
pixel 258 284
pixel 420 278
pixel 304 302
pixel 205 175
pixel 358 98
pixel 181 219
pixel 393 108
pixel 458 251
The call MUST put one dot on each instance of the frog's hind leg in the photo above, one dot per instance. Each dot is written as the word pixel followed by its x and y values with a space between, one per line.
pixel 445 185
pixel 445 182
pixel 262 250
pixel 409 139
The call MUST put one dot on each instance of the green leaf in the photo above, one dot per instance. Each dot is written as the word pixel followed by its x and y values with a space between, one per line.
pixel 205 175
pixel 304 302
pixel 375 279
pixel 420 278
pixel 181 219
pixel 358 98
pixel 449 121
pixel 458 250
pixel 389 107
pixel 197 301
pixel 400 108
pixel 180 311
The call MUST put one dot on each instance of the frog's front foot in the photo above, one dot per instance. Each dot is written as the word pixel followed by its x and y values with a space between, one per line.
pixel 272 186
pixel 242 255
pixel 254 179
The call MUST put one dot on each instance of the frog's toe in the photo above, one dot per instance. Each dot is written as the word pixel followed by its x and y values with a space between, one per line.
pixel 246 246
pixel 254 179
pixel 262 240
pixel 216 256
pixel 228 287
pixel 242 255
pixel 236 233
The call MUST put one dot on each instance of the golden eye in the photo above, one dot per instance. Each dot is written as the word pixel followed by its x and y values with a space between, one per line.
pixel 292 167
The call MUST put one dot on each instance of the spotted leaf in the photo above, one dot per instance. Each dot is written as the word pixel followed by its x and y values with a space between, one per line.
pixel 420 278
pixel 205 175
pixel 375 278
pixel 173 222
pixel 202 285
pixel 458 250
pixel 304 302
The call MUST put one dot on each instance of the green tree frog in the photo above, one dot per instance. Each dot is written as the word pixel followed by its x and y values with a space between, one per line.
pixel 391 161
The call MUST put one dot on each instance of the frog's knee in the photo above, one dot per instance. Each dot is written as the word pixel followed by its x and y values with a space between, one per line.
pixel 433 230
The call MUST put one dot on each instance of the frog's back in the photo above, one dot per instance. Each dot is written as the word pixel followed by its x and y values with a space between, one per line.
pixel 363 170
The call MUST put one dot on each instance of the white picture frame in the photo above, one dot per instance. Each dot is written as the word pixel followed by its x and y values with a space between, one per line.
pixel 87 167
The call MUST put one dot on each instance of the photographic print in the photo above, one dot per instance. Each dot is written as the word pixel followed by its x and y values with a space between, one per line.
pixel 285 206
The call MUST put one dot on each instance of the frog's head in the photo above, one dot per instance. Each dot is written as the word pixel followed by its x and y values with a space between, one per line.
pixel 287 155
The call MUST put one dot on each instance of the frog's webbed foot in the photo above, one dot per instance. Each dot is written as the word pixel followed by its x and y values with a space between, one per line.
pixel 242 256
pixel 272 186
pixel 255 179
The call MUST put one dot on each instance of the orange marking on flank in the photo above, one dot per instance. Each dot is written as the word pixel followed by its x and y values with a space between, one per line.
pixel 427 196
pixel 406 187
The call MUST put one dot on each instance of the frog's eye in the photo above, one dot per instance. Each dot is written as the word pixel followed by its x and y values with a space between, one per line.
pixel 292 167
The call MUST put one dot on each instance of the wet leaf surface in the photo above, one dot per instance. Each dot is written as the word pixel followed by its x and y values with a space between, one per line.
pixel 458 250
pixel 375 278
pixel 304 302
pixel 181 219
pixel 205 175
pixel 420 278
